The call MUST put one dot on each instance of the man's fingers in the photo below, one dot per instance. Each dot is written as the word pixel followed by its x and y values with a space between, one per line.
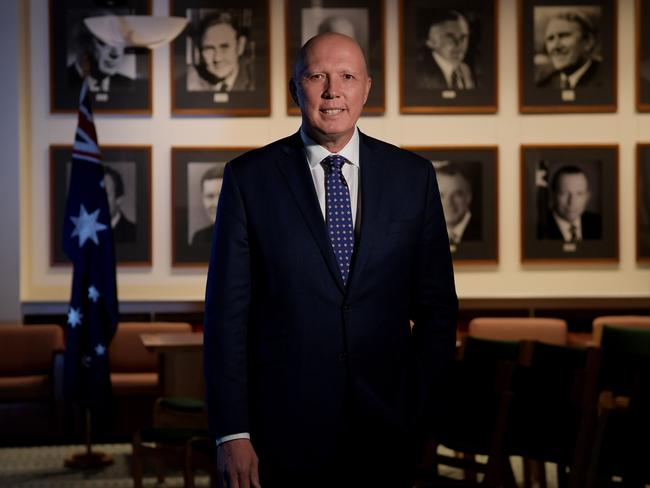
pixel 233 480
pixel 255 476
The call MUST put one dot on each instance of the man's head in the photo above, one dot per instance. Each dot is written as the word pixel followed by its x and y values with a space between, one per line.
pixel 337 23
pixel 114 186
pixel 449 36
pixel 221 44
pixel 570 188
pixel 455 193
pixel 330 84
pixel 102 59
pixel 211 182
pixel 570 40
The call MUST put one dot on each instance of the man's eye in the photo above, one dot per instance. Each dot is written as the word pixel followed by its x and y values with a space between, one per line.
pixel 316 76
pixel 348 76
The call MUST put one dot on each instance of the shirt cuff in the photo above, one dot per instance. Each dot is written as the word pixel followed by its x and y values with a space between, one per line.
pixel 232 437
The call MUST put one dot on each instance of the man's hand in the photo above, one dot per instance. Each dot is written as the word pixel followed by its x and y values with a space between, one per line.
pixel 237 464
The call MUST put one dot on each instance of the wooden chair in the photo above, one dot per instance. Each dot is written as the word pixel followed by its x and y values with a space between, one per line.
pixel 627 321
pixel 175 421
pixel 548 330
pixel 621 448
pixel 553 410
pixel 476 418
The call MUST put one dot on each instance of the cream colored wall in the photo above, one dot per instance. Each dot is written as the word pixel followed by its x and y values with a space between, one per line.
pixel 507 129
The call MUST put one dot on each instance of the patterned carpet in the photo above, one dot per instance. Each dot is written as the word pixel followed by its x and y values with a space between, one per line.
pixel 40 467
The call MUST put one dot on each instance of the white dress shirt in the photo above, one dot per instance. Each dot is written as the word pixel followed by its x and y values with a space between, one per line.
pixel 565 227
pixel 315 153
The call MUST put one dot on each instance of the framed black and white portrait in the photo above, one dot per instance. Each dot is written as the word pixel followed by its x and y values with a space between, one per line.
pixel 220 63
pixel 448 54
pixel 363 20
pixel 468 183
pixel 197 175
pixel 119 77
pixel 127 182
pixel 567 56
pixel 569 197
pixel 643 203
pixel 643 55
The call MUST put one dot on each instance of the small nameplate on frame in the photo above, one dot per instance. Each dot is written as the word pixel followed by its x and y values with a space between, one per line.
pixel 101 97
pixel 569 247
pixel 448 94
pixel 568 95
pixel 221 98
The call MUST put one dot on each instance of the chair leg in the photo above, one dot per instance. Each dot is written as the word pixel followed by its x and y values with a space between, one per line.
pixel 188 471
pixel 136 460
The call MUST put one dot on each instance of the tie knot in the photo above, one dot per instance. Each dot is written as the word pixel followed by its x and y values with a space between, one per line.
pixel 333 162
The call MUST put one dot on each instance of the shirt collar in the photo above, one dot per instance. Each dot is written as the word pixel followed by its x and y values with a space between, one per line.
pixel 459 229
pixel 565 226
pixel 316 153
pixel 574 77
pixel 446 67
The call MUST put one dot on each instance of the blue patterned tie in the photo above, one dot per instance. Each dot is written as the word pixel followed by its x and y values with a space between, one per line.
pixel 339 213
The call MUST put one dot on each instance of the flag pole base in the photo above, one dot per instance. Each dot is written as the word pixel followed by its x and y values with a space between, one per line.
pixel 89 460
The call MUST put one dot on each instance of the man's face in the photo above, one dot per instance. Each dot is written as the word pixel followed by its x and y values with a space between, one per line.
pixel 449 39
pixel 571 196
pixel 221 49
pixel 113 201
pixel 331 88
pixel 566 45
pixel 456 196
pixel 210 193
pixel 108 58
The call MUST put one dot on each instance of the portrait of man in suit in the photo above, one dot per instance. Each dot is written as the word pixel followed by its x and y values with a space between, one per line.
pixel 106 64
pixel 211 182
pixel 124 230
pixel 570 42
pixel 222 63
pixel 569 218
pixel 330 311
pixel 456 195
pixel 444 66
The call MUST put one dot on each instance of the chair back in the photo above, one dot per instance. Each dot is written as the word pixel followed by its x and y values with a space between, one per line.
pixel 28 349
pixel 127 352
pixel 554 407
pixel 549 330
pixel 627 321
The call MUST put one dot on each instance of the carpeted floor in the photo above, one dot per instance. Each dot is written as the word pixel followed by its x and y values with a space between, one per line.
pixel 40 467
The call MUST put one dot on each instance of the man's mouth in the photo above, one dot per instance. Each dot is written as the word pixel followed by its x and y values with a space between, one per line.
pixel 331 111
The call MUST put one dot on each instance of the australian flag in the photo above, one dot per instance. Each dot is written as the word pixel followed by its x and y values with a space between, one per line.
pixel 88 242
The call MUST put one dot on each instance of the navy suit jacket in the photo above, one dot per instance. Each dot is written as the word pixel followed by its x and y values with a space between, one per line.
pixel 286 342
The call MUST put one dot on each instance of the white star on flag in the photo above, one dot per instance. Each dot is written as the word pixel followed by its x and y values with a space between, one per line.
pixel 86 226
pixel 93 294
pixel 74 317
pixel 100 350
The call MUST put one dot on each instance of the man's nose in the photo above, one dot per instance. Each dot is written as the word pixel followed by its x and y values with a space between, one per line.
pixel 332 88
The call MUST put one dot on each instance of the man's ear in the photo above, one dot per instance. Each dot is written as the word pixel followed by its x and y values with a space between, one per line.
pixel 241 45
pixel 293 89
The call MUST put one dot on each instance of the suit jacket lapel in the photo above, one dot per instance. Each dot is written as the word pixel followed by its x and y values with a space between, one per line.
pixel 293 165
pixel 371 191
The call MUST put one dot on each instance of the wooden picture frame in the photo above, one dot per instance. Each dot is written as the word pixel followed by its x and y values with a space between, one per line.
pixel 237 80
pixel 567 56
pixel 448 56
pixel 643 203
pixel 119 79
pixel 130 169
pixel 643 55
pixel 197 174
pixel 569 204
pixel 468 180
pixel 361 19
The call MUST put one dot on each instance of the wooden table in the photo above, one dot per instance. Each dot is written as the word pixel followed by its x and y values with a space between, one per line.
pixel 180 362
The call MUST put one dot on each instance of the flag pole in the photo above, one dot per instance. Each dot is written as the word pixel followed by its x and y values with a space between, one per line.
pixel 89 459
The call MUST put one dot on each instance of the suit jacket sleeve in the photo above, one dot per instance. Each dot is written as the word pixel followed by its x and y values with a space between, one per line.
pixel 226 315
pixel 434 310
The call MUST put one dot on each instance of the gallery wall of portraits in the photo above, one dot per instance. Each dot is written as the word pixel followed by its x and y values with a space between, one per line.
pixel 534 113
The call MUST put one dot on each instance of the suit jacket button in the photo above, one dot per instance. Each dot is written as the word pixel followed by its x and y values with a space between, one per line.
pixel 342 356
